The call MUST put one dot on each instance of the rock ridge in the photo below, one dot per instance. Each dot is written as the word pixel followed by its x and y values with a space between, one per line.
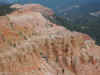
pixel 30 44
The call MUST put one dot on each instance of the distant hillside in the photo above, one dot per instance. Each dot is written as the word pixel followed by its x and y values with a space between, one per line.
pixel 5 9
pixel 80 19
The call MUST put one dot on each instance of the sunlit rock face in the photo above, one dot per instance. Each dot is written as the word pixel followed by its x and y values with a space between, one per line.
pixel 31 44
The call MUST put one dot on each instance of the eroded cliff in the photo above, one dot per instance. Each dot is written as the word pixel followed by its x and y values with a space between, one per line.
pixel 31 44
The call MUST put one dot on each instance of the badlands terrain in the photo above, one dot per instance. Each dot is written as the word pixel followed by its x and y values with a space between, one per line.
pixel 31 44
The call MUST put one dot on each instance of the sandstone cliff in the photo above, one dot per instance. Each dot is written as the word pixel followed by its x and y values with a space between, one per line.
pixel 31 44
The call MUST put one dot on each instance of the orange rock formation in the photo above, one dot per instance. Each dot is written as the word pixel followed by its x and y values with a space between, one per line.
pixel 31 44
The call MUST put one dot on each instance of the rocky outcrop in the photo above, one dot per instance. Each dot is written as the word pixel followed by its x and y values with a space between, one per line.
pixel 30 44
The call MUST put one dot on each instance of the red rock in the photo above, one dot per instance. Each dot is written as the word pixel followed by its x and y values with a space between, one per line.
pixel 30 42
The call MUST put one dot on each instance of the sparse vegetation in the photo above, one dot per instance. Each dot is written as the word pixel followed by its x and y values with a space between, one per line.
pixel 88 25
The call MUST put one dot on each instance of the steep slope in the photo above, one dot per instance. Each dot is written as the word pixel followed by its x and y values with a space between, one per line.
pixel 31 44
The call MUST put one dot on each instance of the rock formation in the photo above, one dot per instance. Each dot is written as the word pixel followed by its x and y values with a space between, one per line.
pixel 31 44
